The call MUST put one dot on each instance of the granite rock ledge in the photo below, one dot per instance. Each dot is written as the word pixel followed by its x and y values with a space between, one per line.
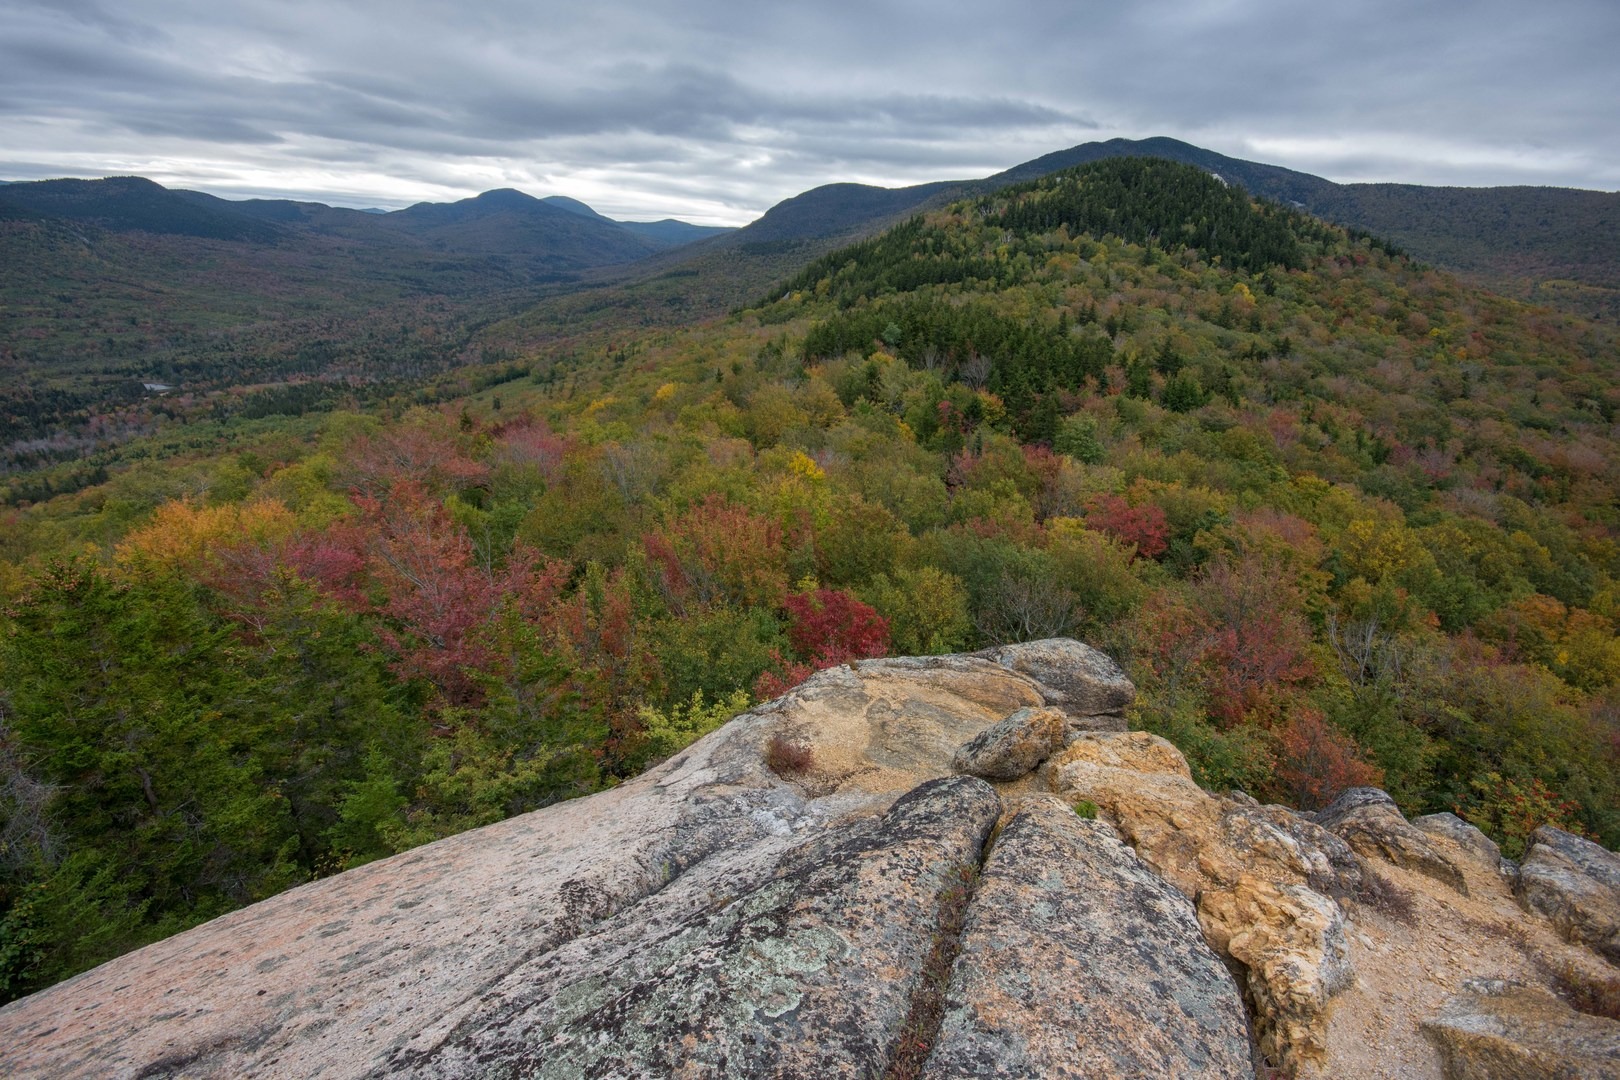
pixel 714 919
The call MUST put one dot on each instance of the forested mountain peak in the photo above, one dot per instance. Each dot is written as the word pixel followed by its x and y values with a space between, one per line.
pixel 496 201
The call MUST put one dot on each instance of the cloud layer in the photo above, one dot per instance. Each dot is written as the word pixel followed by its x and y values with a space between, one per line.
pixel 715 111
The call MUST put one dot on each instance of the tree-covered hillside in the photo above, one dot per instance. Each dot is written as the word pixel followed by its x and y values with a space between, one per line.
pixel 1343 519
pixel 108 287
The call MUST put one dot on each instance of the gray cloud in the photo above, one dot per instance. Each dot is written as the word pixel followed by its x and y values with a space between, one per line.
pixel 650 108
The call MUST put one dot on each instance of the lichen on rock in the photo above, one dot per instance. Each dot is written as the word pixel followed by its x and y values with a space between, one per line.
pixel 1080 961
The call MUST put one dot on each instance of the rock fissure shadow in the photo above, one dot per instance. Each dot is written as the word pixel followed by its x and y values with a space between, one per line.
pixel 1263 1064
pixel 927 1012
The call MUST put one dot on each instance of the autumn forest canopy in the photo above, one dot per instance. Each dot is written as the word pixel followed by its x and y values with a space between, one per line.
pixel 1343 519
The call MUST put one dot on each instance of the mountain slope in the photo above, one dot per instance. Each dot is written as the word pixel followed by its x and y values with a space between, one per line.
pixel 109 284
pixel 1546 244
pixel 1532 242
pixel 509 222
pixel 667 232
pixel 836 210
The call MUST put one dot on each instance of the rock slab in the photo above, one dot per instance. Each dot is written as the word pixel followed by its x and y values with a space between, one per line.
pixel 1079 961
pixel 1078 679
pixel 1475 845
pixel 1576 884
pixel 1499 1031
pixel 1371 823
pixel 809 974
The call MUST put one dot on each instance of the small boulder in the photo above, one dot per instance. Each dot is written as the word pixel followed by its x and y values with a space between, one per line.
pixel 1077 960
pixel 1575 884
pixel 1077 678
pixel 1008 750
pixel 1496 1030
pixel 1275 841
pixel 1371 823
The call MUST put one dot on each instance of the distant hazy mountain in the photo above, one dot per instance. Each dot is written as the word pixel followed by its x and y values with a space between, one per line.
pixel 837 209
pixel 556 234
pixel 132 203
pixel 667 232
pixel 107 285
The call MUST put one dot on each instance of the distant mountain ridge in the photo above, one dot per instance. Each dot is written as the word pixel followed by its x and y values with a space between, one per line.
pixel 667 231
pixel 563 233
pixel 133 203
pixel 108 284
pixel 1557 245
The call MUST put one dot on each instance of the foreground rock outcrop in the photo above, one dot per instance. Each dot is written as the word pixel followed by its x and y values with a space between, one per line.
pixel 979 873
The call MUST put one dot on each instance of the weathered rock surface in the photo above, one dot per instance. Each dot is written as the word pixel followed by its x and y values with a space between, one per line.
pixel 809 973
pixel 1371 823
pixel 1078 961
pixel 1250 870
pixel 1012 748
pixel 1076 678
pixel 1465 839
pixel 333 977
pixel 1500 1031
pixel 1576 884
pixel 713 918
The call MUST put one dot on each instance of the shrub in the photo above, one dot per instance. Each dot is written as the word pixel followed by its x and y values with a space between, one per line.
pixel 829 627
pixel 787 757
pixel 1316 761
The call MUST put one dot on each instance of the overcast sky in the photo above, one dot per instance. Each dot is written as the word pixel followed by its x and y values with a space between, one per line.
pixel 713 111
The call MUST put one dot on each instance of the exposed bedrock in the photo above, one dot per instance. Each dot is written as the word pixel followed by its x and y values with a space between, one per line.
pixel 971 869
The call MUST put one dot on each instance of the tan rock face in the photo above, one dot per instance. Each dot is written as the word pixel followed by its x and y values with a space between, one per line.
pixel 1372 825
pixel 1075 677
pixel 1246 867
pixel 1474 846
pixel 1291 941
pixel 1576 884
pixel 1008 750
pixel 712 918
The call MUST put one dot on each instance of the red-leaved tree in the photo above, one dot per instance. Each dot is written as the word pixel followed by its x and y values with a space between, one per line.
pixel 718 552
pixel 1258 648
pixel 1144 525
pixel 826 627
pixel 1316 761
pixel 440 602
